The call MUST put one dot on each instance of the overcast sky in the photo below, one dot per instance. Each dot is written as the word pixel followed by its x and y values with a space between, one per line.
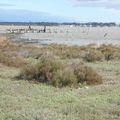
pixel 69 10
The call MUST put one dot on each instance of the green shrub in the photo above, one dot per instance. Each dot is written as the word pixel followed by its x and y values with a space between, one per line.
pixel 65 77
pixel 51 72
pixel 42 71
pixel 54 72
pixel 28 72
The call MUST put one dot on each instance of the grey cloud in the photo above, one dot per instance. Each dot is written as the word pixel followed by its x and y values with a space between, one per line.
pixel 110 4
pixel 88 0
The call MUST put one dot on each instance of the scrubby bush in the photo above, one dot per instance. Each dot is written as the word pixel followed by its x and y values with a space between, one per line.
pixel 10 61
pixel 65 77
pixel 28 72
pixel 96 52
pixel 108 51
pixel 43 71
pixel 93 55
pixel 103 52
pixel 86 75
pixel 116 55
pixel 52 71
pixel 66 51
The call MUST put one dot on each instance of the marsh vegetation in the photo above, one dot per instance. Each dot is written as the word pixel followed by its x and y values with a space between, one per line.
pixel 59 82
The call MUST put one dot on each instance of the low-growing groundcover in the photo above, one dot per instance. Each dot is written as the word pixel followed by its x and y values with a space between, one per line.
pixel 57 73
pixel 21 100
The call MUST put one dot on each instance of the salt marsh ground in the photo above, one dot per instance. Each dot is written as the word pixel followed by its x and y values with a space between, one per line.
pixel 28 100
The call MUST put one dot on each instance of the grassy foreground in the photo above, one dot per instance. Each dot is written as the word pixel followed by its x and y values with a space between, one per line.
pixel 21 100
pixel 29 100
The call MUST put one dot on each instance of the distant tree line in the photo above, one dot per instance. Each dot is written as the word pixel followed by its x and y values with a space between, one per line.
pixel 92 24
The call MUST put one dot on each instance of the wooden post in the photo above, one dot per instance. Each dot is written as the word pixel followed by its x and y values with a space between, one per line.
pixel 44 30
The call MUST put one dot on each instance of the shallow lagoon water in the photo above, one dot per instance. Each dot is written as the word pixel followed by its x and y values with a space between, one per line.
pixel 73 36
pixel 78 42
pixel 61 40
pixel 68 42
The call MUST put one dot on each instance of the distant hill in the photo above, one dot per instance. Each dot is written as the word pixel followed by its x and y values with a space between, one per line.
pixel 27 16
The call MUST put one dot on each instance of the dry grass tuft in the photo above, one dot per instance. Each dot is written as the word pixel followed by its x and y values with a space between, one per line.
pixel 108 51
pixel 93 55
pixel 10 61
